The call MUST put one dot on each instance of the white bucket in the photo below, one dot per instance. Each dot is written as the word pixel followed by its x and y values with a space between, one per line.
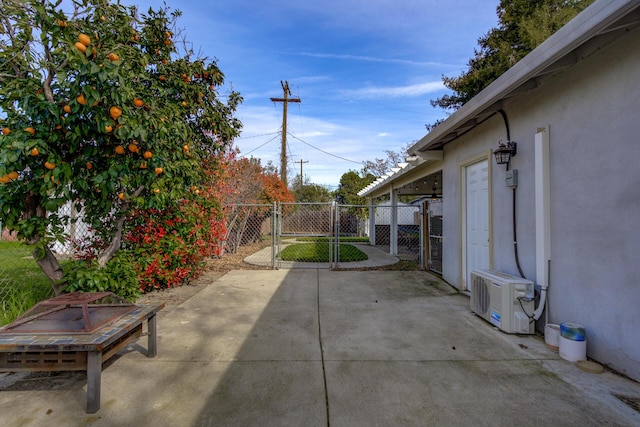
pixel 552 336
pixel 573 350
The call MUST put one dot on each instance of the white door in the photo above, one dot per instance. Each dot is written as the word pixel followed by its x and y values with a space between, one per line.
pixel 477 218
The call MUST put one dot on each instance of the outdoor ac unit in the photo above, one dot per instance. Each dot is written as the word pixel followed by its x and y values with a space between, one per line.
pixel 503 300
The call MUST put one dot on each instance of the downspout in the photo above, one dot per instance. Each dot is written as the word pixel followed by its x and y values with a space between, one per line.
pixel 543 216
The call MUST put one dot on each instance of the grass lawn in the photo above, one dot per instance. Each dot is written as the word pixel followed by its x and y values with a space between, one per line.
pixel 22 282
pixel 319 252
pixel 342 239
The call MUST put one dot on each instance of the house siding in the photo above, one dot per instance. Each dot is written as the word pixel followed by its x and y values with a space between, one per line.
pixel 592 111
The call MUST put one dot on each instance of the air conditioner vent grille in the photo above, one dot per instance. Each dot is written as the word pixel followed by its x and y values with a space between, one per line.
pixel 480 297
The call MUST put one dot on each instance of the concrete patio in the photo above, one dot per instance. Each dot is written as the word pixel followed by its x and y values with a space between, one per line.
pixel 316 348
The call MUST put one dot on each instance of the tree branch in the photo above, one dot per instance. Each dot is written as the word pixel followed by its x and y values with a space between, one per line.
pixel 116 241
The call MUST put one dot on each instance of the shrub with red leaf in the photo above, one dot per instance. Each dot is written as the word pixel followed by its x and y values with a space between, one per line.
pixel 170 245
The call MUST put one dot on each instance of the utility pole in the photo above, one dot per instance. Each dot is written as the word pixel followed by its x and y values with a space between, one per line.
pixel 283 150
pixel 301 162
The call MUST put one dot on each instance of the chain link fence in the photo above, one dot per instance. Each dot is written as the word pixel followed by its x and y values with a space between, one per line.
pixel 266 231
pixel 320 235
pixel 22 282
pixel 252 225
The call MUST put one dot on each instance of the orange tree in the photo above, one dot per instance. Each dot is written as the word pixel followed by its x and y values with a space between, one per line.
pixel 101 109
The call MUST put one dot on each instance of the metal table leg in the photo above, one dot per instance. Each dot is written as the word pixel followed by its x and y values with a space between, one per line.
pixel 94 374
pixel 152 344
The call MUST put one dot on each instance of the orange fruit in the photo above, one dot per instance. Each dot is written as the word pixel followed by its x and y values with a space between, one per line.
pixel 103 18
pixel 120 149
pixel 34 152
pixel 108 128
pixel 185 148
pixel 49 165
pixel 121 196
pixel 184 103
pixel 84 39
pixel 13 175
pixel 31 130
pixel 61 23
pixel 156 190
pixel 6 131
pixel 67 108
pixel 147 155
pixel 167 42
pixel 4 179
pixel 81 100
pixel 167 35
pixel 138 102
pixel 143 165
pixel 82 48
pixel 115 112
pixel 158 171
pixel 113 57
pixel 89 165
pixel 133 148
pixel 162 78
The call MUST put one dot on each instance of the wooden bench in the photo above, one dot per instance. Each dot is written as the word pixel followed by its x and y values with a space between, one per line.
pixel 79 351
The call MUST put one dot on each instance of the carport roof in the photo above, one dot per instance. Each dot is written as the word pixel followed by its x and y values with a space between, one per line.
pixel 598 25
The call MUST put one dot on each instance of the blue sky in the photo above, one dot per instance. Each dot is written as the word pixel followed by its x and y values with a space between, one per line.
pixel 365 71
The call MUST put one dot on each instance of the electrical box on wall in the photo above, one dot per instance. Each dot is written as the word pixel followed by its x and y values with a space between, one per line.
pixel 512 178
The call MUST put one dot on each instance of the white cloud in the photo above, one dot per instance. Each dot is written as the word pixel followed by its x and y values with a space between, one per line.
pixel 394 91
pixel 348 57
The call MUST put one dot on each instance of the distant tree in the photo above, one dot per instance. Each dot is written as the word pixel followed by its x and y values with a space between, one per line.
pixel 246 190
pixel 379 167
pixel 309 192
pixel 350 184
pixel 433 125
pixel 522 26
pixel 347 193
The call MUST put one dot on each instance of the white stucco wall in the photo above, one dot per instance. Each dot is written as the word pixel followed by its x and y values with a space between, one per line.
pixel 592 110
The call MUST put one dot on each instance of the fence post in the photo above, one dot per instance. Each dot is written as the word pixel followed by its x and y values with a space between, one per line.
pixel 372 223
pixel 336 235
pixel 274 219
pixel 421 210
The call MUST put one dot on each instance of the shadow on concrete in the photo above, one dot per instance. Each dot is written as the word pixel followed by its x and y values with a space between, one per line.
pixel 383 348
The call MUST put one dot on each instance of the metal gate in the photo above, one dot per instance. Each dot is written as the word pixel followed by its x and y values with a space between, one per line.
pixel 324 235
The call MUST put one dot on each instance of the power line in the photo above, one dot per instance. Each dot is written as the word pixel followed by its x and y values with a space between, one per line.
pixel 325 152
pixel 261 145
pixel 256 136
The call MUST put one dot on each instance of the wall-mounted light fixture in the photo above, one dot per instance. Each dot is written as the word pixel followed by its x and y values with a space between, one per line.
pixel 505 152
pixel 434 194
